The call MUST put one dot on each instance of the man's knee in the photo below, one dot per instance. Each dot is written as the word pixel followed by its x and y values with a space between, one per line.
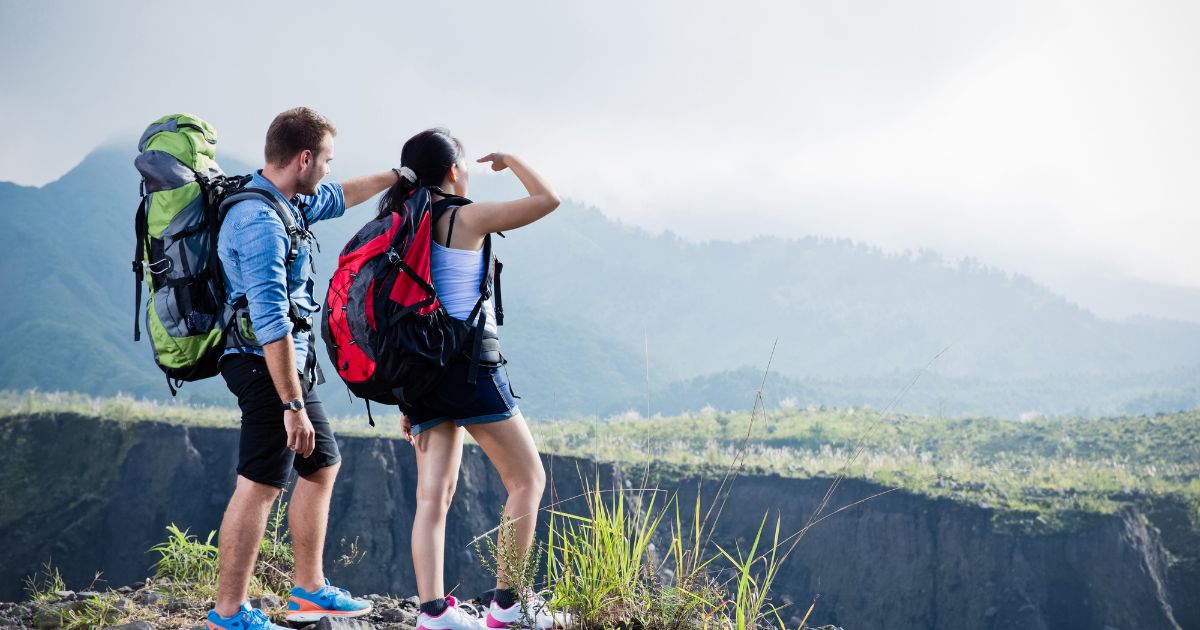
pixel 256 490
pixel 325 475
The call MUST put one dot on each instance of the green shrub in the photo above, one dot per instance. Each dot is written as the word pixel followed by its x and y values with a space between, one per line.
pixel 41 586
pixel 189 564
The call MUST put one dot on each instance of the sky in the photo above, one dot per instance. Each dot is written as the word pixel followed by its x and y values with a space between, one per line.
pixel 1052 138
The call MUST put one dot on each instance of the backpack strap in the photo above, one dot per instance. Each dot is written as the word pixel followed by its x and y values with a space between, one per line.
pixel 140 230
pixel 312 369
pixel 450 229
pixel 295 233
pixel 485 291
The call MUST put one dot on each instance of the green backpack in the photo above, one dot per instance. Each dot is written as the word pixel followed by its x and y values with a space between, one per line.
pixel 184 196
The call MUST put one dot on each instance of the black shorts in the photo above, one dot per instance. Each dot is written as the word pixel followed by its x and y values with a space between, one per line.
pixel 263 455
pixel 453 399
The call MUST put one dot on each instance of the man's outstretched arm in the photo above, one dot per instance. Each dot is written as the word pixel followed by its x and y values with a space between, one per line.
pixel 360 189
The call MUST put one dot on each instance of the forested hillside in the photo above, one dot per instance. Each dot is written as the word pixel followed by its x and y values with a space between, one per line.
pixel 604 317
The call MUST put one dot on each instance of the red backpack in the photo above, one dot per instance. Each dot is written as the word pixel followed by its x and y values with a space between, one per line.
pixel 388 336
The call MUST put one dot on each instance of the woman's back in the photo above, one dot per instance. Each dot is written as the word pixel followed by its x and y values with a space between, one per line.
pixel 457 274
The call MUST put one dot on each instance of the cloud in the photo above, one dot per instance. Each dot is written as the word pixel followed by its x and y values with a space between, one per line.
pixel 1051 138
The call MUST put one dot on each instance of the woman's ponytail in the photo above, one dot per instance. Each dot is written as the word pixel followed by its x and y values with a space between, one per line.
pixel 425 160
pixel 393 198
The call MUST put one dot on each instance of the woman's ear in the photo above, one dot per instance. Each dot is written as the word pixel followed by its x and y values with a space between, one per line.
pixel 455 173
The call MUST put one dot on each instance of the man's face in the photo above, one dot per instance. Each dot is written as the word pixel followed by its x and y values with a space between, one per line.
pixel 316 170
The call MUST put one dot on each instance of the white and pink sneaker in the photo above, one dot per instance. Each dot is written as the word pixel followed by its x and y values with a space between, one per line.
pixel 536 615
pixel 452 618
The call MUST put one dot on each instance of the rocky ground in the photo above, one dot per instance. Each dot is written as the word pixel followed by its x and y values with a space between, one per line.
pixel 145 606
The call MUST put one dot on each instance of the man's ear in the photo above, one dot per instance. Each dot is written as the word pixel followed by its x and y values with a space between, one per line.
pixel 306 158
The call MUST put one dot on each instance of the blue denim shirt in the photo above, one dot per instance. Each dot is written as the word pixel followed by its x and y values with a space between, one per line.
pixel 253 246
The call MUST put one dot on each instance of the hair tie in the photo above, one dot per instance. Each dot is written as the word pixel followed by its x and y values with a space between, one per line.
pixel 406 173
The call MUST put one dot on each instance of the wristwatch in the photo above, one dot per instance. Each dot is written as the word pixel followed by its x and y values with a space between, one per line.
pixel 294 405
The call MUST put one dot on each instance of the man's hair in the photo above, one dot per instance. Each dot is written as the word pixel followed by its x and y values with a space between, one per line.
pixel 293 131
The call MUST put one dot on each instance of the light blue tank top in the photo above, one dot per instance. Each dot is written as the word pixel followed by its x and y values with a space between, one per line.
pixel 457 274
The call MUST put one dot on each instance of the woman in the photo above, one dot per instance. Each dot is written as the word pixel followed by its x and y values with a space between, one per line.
pixel 486 409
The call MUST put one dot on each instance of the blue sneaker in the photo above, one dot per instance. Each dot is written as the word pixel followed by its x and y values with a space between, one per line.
pixel 327 601
pixel 246 619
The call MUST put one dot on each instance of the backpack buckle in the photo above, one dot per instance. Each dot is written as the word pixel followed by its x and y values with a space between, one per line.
pixel 393 256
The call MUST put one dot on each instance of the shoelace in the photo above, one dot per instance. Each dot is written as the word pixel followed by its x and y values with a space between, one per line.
pixel 333 592
pixel 256 618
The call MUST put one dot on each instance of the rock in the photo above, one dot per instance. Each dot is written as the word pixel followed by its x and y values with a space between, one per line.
pixel 329 623
pixel 413 601
pixel 125 590
pixel 178 604
pixel 137 586
pixel 87 594
pixel 135 625
pixel 266 602
pixel 396 615
pixel 150 599
pixel 47 618
pixel 64 594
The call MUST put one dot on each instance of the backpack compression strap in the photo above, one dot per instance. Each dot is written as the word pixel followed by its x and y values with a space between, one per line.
pixel 139 252
pixel 312 369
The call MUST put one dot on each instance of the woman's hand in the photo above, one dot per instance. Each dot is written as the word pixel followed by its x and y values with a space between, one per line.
pixel 406 428
pixel 499 160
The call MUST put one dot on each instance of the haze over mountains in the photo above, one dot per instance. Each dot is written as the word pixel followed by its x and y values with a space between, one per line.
pixel 602 317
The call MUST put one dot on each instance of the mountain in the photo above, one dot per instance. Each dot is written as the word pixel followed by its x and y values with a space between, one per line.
pixel 603 317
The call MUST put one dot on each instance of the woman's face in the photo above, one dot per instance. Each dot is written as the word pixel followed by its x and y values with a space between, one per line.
pixel 462 175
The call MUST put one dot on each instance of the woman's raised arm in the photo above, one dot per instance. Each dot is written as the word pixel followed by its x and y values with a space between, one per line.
pixel 484 217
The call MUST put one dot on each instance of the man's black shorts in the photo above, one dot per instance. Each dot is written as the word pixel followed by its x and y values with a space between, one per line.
pixel 263 455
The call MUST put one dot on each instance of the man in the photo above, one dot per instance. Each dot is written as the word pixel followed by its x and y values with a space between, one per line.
pixel 270 366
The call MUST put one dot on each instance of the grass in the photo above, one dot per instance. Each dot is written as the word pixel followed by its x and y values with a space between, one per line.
pixel 41 586
pixel 602 567
pixel 503 558
pixel 186 568
pixel 99 611
pixel 1042 469
pixel 120 408
pixel 187 563
pixel 597 561
pixel 1034 473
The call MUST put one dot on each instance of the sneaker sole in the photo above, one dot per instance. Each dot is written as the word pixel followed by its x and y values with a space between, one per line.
pixel 495 624
pixel 315 615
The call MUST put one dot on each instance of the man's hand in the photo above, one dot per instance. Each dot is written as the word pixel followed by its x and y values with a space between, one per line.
pixel 302 438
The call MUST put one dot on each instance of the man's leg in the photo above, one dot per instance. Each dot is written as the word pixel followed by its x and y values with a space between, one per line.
pixel 308 516
pixel 242 530
pixel 264 462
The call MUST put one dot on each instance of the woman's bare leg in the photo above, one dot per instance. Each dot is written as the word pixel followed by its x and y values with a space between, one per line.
pixel 439 453
pixel 510 446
